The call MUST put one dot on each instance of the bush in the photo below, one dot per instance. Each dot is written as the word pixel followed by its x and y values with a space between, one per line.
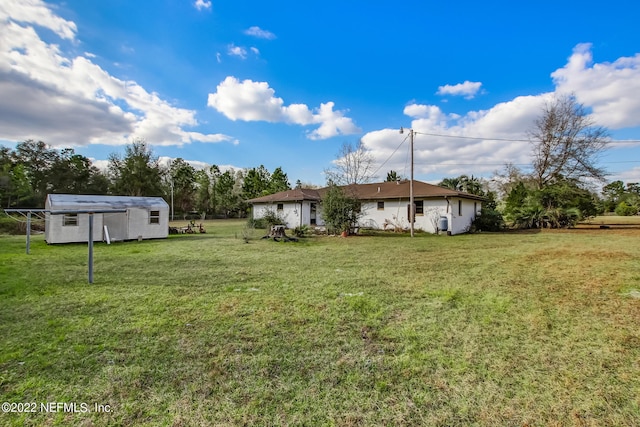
pixel 624 209
pixel 268 220
pixel 301 231
pixel 340 211
pixel 9 225
pixel 488 220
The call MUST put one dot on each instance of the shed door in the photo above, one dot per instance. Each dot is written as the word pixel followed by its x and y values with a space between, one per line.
pixel 117 225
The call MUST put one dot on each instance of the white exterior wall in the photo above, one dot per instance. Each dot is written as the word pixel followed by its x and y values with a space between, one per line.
pixel 121 226
pixel 461 220
pixel 139 224
pixel 291 212
pixel 395 211
pixel 56 232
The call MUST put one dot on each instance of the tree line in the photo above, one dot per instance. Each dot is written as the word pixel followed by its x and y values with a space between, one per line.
pixel 557 192
pixel 33 169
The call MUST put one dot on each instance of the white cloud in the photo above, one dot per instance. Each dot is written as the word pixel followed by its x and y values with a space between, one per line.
pixel 36 12
pixel 260 33
pixel 202 4
pixel 630 175
pixel 455 155
pixel 255 50
pixel 238 51
pixel 37 101
pixel 611 90
pixel 467 89
pixel 256 101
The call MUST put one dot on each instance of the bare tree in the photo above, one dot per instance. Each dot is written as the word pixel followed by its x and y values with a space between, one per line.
pixel 567 143
pixel 353 165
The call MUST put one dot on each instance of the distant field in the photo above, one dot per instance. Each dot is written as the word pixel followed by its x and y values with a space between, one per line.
pixel 519 328
pixel 614 220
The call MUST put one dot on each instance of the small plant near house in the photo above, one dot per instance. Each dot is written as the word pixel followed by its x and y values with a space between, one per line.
pixel 302 231
pixel 272 218
pixel 268 220
pixel 488 220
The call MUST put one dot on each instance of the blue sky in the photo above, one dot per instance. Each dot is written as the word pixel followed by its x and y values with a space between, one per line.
pixel 286 83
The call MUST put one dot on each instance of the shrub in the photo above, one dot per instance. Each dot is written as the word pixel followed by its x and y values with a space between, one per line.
pixel 488 220
pixel 625 209
pixel 340 211
pixel 13 225
pixel 269 219
pixel 301 231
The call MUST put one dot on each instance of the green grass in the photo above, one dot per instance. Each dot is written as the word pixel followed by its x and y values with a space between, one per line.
pixel 487 329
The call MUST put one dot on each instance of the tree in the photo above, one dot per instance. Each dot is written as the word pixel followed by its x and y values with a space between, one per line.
pixel 613 194
pixel 183 176
pixel 226 197
pixel 353 165
pixel 203 202
pixel 256 183
pixel 566 143
pixel 279 181
pixel 340 211
pixel 36 159
pixel 138 173
pixel 75 174
pixel 392 176
pixel 471 185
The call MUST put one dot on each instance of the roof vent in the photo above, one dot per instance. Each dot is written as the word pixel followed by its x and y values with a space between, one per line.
pixel 378 189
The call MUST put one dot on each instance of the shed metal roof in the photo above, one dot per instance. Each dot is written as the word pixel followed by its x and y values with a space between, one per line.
pixel 91 201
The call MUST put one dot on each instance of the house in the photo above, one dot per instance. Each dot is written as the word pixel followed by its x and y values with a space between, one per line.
pixel 297 207
pixel 385 205
pixel 145 218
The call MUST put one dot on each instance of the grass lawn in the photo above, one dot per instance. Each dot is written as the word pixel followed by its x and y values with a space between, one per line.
pixel 513 329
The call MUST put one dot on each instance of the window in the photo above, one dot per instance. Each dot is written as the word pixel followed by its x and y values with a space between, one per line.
pixel 70 219
pixel 459 207
pixel 154 217
pixel 380 206
pixel 419 207
pixel 280 206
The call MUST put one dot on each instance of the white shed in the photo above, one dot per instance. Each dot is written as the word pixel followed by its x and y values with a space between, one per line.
pixel 145 217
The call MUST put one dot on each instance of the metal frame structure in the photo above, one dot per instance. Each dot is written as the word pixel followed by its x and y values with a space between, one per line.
pixel 28 212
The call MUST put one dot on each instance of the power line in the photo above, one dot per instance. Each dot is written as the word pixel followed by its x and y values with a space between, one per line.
pixel 389 158
pixel 613 141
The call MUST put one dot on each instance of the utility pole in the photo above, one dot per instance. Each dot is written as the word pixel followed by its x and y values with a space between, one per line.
pixel 412 208
pixel 412 215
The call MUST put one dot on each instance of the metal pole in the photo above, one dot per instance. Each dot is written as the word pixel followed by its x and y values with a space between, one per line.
pixel 412 209
pixel 28 231
pixel 90 248
pixel 172 199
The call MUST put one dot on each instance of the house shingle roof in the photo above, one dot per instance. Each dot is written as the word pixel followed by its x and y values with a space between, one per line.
pixel 296 195
pixel 375 191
